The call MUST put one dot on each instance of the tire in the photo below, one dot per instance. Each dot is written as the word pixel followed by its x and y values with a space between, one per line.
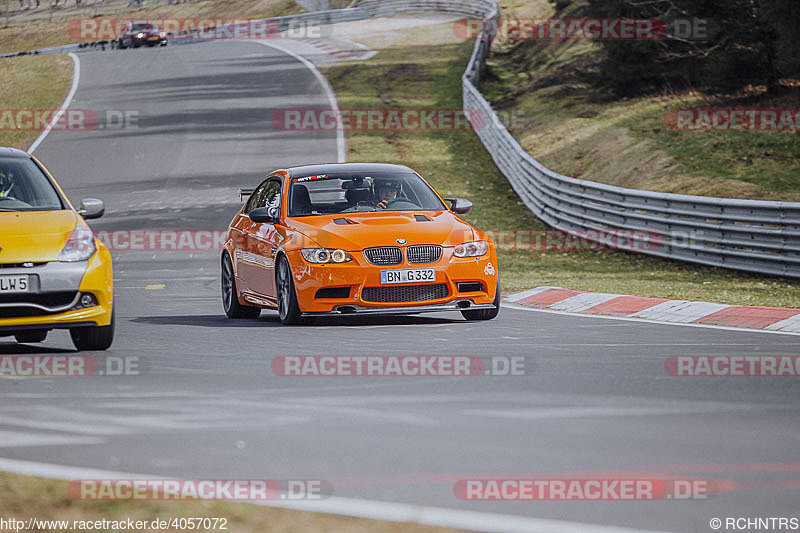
pixel 31 336
pixel 288 309
pixel 230 298
pixel 94 338
pixel 484 314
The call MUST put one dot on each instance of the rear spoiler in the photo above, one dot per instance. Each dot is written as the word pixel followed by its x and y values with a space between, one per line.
pixel 244 193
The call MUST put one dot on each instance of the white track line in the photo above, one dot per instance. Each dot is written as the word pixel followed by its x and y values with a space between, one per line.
pixel 341 150
pixel 510 305
pixel 76 78
pixel 375 510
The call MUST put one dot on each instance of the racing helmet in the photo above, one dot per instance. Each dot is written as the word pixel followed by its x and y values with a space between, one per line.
pixel 6 184
pixel 393 184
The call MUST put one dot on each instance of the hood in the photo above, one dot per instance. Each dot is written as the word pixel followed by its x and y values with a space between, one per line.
pixel 356 231
pixel 34 236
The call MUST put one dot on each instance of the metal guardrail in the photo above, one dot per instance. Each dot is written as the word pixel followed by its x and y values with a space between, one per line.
pixel 748 235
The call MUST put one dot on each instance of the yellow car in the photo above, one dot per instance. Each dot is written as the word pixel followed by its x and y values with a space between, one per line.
pixel 54 273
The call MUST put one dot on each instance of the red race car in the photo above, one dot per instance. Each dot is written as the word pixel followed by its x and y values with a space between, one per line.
pixel 138 34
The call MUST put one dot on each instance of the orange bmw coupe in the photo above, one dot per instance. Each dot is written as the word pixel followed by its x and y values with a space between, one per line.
pixel 354 238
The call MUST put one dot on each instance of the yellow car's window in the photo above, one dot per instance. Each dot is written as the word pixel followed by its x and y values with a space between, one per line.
pixel 24 187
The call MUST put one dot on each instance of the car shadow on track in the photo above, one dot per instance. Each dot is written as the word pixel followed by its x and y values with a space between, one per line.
pixel 271 320
pixel 12 348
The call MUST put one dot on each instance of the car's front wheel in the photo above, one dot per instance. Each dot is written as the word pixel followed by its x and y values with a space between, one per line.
pixel 484 314
pixel 31 336
pixel 94 338
pixel 288 309
pixel 230 295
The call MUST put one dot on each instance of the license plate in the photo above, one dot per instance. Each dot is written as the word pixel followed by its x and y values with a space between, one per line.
pixel 9 284
pixel 407 276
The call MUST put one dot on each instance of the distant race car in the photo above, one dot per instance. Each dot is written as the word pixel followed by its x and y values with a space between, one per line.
pixel 355 238
pixel 138 34
pixel 54 273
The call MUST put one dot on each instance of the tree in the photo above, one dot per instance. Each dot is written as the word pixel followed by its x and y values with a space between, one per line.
pixel 783 16
pixel 739 48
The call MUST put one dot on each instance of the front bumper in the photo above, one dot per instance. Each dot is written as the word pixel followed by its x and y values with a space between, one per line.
pixel 458 305
pixel 151 41
pixel 94 277
pixel 359 274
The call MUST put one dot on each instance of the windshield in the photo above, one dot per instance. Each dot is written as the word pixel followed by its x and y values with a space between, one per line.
pixel 24 187
pixel 361 192
pixel 143 26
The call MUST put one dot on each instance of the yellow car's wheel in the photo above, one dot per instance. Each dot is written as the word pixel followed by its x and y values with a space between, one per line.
pixel 93 338
pixel 26 337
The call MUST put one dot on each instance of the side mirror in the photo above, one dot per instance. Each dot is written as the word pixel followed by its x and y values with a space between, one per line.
pixel 459 206
pixel 267 215
pixel 91 208
pixel 245 193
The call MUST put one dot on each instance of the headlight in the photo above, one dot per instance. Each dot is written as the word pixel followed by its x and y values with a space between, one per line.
pixel 471 249
pixel 80 246
pixel 325 255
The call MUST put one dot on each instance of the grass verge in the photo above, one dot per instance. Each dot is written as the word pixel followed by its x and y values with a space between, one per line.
pixel 412 77
pixel 25 497
pixel 31 82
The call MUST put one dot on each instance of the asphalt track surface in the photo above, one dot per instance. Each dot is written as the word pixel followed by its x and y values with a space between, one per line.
pixel 599 403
